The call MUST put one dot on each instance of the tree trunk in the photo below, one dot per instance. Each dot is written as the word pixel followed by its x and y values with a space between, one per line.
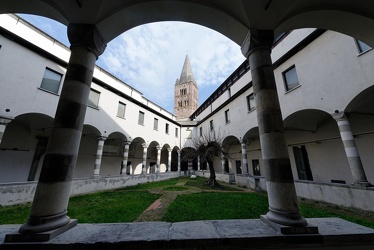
pixel 212 178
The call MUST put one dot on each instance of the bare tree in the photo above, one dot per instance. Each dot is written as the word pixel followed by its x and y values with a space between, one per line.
pixel 206 146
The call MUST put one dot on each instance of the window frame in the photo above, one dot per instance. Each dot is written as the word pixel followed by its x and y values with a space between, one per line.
pixel 227 116
pixel 286 80
pixel 155 124
pixel 124 110
pixel 211 124
pixel 360 46
pixel 176 132
pixel 59 82
pixel 166 128
pixel 98 99
pixel 141 115
pixel 248 99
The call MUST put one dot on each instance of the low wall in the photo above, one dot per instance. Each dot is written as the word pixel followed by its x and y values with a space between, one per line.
pixel 17 193
pixel 338 194
pixel 332 193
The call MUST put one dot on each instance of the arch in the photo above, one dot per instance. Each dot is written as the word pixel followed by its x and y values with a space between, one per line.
pixel 23 147
pixel 306 120
pixel 152 157
pixel 135 158
pixel 363 103
pixel 349 20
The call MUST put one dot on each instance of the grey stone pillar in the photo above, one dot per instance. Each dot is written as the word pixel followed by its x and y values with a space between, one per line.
pixel 189 164
pixel 144 165
pixel 245 158
pixel 51 198
pixel 179 161
pixel 283 207
pixel 198 163
pixel 158 159
pixel 169 160
pixel 2 131
pixel 354 160
pixel 99 155
pixel 125 158
pixel 223 163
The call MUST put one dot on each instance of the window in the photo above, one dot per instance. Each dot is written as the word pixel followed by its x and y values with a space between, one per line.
pixel 93 98
pixel 229 92
pixel 362 47
pixel 51 81
pixel 302 163
pixel 167 128
pixel 121 110
pixel 201 131
pixel 290 78
pixel 251 102
pixel 256 167
pixel 227 118
pixel 176 132
pixel 141 118
pixel 211 125
pixel 155 124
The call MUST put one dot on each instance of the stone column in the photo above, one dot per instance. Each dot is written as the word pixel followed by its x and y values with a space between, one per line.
pixel 189 164
pixel 179 161
pixel 198 163
pixel 169 160
pixel 158 159
pixel 244 157
pixel 125 157
pixel 283 208
pixel 144 165
pixel 51 198
pixel 99 154
pixel 354 160
pixel 223 163
pixel 2 131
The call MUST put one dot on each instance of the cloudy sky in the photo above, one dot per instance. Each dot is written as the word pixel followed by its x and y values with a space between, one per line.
pixel 150 57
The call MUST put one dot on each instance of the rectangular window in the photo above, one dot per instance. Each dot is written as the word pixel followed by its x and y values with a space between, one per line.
pixel 256 167
pixel 302 163
pixel 93 98
pixel 176 132
pixel 290 78
pixel 211 125
pixel 141 118
pixel 201 131
pixel 155 124
pixel 167 128
pixel 229 92
pixel 227 118
pixel 121 110
pixel 362 47
pixel 250 102
pixel 51 81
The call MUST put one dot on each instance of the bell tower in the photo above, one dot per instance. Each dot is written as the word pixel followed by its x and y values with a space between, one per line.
pixel 186 93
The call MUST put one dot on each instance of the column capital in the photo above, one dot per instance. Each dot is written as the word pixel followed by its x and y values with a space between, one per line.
pixel 256 39
pixel 339 115
pixel 244 141
pixel 170 149
pixel 101 138
pixel 127 143
pixel 145 145
pixel 158 147
pixel 178 151
pixel 86 36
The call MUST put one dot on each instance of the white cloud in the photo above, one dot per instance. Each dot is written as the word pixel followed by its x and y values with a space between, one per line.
pixel 150 57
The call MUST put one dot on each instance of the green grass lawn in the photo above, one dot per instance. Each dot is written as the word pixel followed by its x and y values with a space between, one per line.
pixel 126 204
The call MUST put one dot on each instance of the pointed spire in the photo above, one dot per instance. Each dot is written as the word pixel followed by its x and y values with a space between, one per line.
pixel 187 75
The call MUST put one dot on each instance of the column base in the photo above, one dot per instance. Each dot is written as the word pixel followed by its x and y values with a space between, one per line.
pixel 307 229
pixel 39 237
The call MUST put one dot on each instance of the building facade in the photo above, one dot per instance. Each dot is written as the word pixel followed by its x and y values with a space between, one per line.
pixel 324 82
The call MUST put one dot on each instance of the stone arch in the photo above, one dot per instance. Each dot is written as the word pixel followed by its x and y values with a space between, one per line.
pixel 174 159
pixel 315 148
pixel 111 161
pixel 23 146
pixel 232 146
pixel 164 157
pixel 152 157
pixel 87 152
pixel 253 147
pixel 135 159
